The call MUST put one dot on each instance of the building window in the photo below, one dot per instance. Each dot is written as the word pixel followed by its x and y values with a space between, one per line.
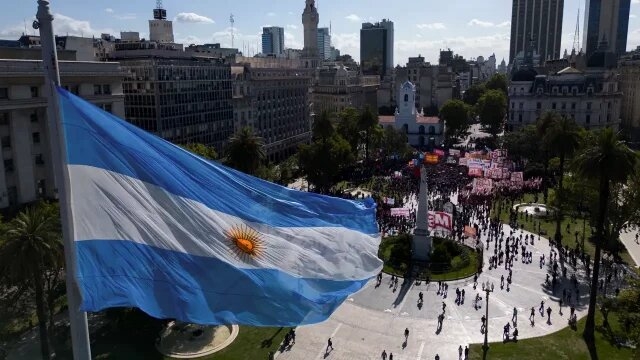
pixel 513 105
pixel 97 90
pixel 6 142
pixel 34 116
pixel 539 105
pixel 406 128
pixel 34 92
pixel 406 97
pixel 588 106
pixel 432 130
pixel 553 106
pixel 4 93
pixel 39 160
pixel 554 90
pixel 12 194
pixel 4 119
pixel 8 165
pixel 564 106
pixel 573 106
pixel 106 89
pixel 521 106
pixel 520 117
pixel 587 120
pixel 574 91
pixel 36 137
pixel 565 90
pixel 539 90
pixel 421 129
pixel 41 188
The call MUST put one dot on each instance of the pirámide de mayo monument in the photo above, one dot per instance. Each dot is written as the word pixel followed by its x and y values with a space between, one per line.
pixel 422 241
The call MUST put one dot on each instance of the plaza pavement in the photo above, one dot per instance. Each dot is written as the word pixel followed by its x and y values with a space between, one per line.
pixel 629 241
pixel 374 319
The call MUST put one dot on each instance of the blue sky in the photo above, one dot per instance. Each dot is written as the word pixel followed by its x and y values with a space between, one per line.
pixel 469 27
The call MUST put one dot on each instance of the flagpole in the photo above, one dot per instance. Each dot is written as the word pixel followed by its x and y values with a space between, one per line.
pixel 78 319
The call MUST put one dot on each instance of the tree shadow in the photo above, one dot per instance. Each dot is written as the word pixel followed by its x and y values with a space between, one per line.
pixel 266 343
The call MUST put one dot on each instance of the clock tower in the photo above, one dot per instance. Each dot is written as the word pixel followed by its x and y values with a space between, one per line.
pixel 310 18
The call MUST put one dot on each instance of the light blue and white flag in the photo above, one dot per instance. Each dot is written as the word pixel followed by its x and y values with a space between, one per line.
pixel 178 236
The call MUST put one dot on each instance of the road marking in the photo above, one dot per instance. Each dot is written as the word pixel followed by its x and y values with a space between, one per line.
pixel 420 351
pixel 322 352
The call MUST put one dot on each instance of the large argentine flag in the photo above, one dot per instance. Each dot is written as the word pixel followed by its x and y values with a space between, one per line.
pixel 177 236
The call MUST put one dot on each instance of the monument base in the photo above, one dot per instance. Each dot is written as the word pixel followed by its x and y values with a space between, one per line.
pixel 421 246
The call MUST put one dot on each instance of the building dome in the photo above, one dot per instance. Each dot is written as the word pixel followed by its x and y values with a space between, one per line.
pixel 525 74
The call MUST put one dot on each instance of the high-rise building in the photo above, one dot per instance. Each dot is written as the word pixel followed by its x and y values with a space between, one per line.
pixel 324 43
pixel 376 48
pixel 539 21
pixel 273 40
pixel 160 29
pixel 606 20
pixel 310 19
pixel 26 171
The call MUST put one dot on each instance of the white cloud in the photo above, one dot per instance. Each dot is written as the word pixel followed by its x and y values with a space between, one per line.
pixel 487 24
pixel 189 17
pixel 271 14
pixel 348 43
pixel 353 17
pixel 291 26
pixel 432 26
pixel 291 42
pixel 224 38
pixel 635 1
pixel 109 10
pixel 65 25
pixel 290 13
pixel 632 16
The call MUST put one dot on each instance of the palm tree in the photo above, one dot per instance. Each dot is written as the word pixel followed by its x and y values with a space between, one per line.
pixel 545 122
pixel 32 246
pixel 245 151
pixel 609 161
pixel 563 139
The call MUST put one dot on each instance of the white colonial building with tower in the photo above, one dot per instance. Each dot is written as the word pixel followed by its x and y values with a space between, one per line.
pixel 421 130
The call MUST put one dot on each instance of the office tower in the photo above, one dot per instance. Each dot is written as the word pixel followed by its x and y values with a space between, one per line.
pixel 540 21
pixel 376 48
pixel 160 29
pixel 273 40
pixel 324 43
pixel 606 20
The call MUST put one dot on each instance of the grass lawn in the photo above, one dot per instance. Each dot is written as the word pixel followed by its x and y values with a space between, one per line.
pixel 564 344
pixel 549 227
pixel 401 262
pixel 252 343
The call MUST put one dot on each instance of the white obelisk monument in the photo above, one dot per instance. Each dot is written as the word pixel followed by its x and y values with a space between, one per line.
pixel 422 241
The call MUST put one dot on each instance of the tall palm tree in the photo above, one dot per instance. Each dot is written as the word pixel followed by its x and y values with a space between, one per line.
pixel 609 161
pixel 545 122
pixel 33 246
pixel 245 151
pixel 563 138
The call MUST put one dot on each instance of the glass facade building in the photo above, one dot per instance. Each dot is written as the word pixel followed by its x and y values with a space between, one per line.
pixel 272 40
pixel 181 100
pixel 537 22
pixel 606 20
pixel 376 48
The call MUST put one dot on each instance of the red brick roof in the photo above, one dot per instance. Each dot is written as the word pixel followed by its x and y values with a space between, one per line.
pixel 390 119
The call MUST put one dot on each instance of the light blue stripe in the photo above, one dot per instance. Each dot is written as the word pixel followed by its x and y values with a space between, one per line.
pixel 169 284
pixel 99 139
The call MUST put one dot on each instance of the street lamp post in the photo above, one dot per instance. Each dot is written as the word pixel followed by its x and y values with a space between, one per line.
pixel 487 288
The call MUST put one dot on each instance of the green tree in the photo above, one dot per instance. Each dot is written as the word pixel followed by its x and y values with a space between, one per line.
pixel 394 141
pixel 323 128
pixel 543 125
pixel 348 127
pixel 456 119
pixel 627 305
pixel 367 123
pixel 245 151
pixel 523 144
pixel 609 161
pixel 201 150
pixel 498 82
pixel 563 138
pixel 473 94
pixel 322 161
pixel 492 109
pixel 32 247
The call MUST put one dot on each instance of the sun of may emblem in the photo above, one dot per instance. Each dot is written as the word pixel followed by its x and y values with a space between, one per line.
pixel 247 241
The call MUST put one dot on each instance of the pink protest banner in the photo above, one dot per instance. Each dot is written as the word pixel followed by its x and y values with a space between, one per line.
pixel 454 152
pixel 404 212
pixel 438 152
pixel 463 161
pixel 517 177
pixel 475 171
pixel 440 220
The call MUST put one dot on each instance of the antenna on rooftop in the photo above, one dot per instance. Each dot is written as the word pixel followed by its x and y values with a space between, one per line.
pixel 158 4
pixel 232 22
